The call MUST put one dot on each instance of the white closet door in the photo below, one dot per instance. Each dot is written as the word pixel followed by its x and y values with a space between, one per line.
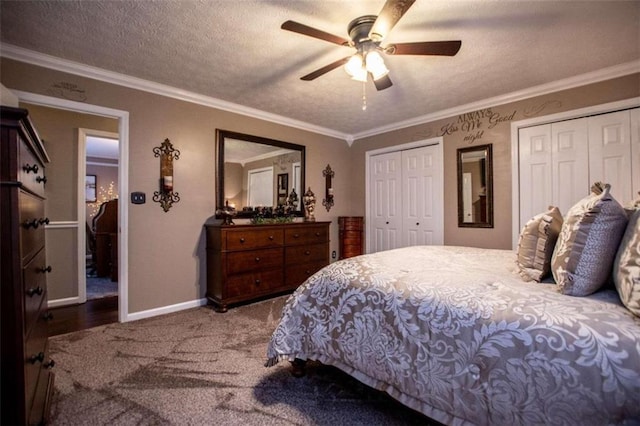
pixel 386 201
pixel 570 163
pixel 534 147
pixel 610 153
pixel 422 197
pixel 635 152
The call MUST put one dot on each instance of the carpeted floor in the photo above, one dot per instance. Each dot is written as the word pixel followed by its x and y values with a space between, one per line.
pixel 198 367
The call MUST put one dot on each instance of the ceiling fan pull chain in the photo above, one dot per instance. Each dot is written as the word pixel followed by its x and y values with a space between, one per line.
pixel 364 96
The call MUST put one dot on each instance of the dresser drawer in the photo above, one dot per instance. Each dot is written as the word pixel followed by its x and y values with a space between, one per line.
pixel 306 254
pixel 297 274
pixel 306 235
pixel 253 284
pixel 252 238
pixel 36 357
pixel 30 170
pixel 31 224
pixel 34 287
pixel 252 260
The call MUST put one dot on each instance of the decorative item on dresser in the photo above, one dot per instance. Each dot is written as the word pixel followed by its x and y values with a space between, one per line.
pixel 247 262
pixel 351 240
pixel 27 380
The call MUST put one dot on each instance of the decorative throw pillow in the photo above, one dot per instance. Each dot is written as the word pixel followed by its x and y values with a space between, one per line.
pixel 583 258
pixel 626 267
pixel 536 244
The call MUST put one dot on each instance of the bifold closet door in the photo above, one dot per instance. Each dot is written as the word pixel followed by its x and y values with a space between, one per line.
pixel 558 162
pixel 421 197
pixel 610 153
pixel 386 201
pixel 406 198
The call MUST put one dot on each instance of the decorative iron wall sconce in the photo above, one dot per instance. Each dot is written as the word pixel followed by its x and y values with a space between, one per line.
pixel 328 175
pixel 165 196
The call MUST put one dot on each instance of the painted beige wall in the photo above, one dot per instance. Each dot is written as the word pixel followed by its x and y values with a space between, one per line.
pixel 460 131
pixel 167 250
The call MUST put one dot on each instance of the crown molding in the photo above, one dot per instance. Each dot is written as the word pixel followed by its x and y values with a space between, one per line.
pixel 543 89
pixel 47 61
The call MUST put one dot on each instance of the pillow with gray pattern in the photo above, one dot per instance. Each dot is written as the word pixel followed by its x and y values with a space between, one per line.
pixel 626 267
pixel 583 257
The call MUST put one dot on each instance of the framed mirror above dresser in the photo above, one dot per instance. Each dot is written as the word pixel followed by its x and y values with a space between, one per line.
pixel 252 170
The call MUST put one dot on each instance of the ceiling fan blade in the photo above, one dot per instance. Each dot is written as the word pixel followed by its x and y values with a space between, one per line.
pixel 317 73
pixel 388 17
pixel 442 48
pixel 299 28
pixel 383 83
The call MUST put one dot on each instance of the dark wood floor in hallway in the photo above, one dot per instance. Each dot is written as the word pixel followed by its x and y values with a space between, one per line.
pixel 93 313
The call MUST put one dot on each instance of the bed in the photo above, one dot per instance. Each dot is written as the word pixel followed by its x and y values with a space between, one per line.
pixel 457 334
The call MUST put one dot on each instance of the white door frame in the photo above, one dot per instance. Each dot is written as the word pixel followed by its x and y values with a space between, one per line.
pixel 546 119
pixel 123 183
pixel 438 141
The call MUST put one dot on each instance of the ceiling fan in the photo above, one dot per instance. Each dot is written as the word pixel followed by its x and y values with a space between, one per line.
pixel 366 35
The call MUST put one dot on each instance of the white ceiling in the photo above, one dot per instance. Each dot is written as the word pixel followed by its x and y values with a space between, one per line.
pixel 235 51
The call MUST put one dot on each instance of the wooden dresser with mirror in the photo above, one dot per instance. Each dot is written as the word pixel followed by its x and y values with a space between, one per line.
pixel 27 379
pixel 248 262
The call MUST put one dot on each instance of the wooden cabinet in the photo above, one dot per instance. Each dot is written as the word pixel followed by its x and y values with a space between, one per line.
pixel 27 380
pixel 351 239
pixel 246 262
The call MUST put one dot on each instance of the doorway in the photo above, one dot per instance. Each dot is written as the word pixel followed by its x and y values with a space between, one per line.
pixel 123 187
pixel 101 156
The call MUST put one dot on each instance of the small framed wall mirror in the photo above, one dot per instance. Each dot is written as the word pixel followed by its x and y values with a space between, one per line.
pixel 475 187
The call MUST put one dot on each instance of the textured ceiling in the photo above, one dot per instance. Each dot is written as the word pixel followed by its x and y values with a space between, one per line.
pixel 236 52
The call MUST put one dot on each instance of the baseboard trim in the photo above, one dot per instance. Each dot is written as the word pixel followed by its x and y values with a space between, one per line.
pixel 63 302
pixel 165 310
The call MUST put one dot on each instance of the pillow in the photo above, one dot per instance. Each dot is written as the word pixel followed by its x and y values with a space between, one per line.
pixel 626 267
pixel 583 258
pixel 536 243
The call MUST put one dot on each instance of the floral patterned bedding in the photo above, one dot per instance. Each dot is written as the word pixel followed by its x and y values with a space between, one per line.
pixel 455 333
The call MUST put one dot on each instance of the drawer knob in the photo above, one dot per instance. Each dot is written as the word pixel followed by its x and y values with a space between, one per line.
pixel 46 270
pixel 296 235
pixel 241 240
pixel 307 252
pixel 257 259
pixel 31 224
pixel 270 237
pixel 257 282
pixel 36 358
pixel 48 316
pixel 49 364
pixel 41 179
pixel 33 291
pixel 317 234
pixel 30 169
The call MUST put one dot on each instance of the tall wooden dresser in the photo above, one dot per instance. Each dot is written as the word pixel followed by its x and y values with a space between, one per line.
pixel 247 262
pixel 350 234
pixel 27 379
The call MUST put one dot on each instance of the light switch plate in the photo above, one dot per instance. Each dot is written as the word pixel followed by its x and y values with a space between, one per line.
pixel 138 197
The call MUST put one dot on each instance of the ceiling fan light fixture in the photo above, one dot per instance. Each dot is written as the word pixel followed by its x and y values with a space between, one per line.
pixel 354 67
pixel 375 65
